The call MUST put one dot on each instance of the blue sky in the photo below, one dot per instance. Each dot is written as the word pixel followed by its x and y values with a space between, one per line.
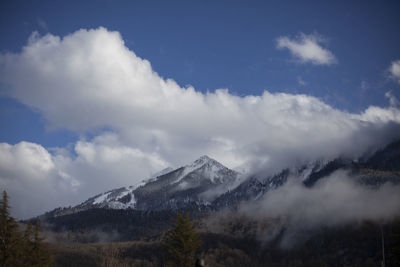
pixel 215 44
pixel 336 62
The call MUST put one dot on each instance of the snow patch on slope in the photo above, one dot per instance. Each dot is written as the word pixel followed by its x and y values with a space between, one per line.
pixel 192 167
pixel 122 198
pixel 102 198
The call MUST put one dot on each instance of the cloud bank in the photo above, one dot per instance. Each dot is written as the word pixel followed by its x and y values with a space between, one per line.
pixel 39 181
pixel 307 49
pixel 334 201
pixel 89 81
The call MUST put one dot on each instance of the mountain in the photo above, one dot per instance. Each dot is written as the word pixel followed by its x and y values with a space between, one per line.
pixel 196 184
pixel 185 186
pixel 203 188
pixel 206 184
pixel 382 167
pixel 255 186
pixel 160 173
pixel 387 159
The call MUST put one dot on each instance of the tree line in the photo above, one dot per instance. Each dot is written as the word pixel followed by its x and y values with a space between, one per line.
pixel 20 247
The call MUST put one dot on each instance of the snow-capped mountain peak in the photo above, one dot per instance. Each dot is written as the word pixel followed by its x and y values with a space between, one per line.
pixel 169 188
pixel 208 167
pixel 202 160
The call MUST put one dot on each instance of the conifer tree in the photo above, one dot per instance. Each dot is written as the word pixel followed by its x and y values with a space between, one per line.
pixel 17 249
pixel 394 251
pixel 10 238
pixel 36 251
pixel 182 242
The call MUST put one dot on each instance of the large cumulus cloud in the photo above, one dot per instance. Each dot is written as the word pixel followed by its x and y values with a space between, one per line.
pixel 31 177
pixel 39 181
pixel 89 80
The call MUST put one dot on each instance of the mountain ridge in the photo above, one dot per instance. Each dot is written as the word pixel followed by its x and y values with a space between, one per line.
pixel 207 184
pixel 168 189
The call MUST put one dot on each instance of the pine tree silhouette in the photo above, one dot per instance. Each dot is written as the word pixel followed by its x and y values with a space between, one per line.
pixel 17 249
pixel 182 242
pixel 9 236
pixel 36 251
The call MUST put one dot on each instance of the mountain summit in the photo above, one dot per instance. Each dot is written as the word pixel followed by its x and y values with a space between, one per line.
pixel 189 185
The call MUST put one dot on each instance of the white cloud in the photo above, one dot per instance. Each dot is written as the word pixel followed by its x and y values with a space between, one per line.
pixel 29 174
pixel 307 48
pixel 38 181
pixel 392 99
pixel 335 200
pixel 380 115
pixel 104 163
pixel 395 70
pixel 89 80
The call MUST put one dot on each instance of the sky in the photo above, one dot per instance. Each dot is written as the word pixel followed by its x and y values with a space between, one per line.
pixel 96 95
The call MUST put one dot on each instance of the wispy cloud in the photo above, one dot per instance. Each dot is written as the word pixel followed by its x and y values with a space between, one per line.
pixel 337 200
pixel 307 49
pixel 300 81
pixel 392 99
pixel 395 70
pixel 42 23
pixel 364 86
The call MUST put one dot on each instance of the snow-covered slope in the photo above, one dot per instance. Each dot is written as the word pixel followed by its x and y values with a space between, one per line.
pixel 205 183
pixel 255 186
pixel 186 186
pixel 169 189
pixel 382 167
pixel 157 174
pixel 121 198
